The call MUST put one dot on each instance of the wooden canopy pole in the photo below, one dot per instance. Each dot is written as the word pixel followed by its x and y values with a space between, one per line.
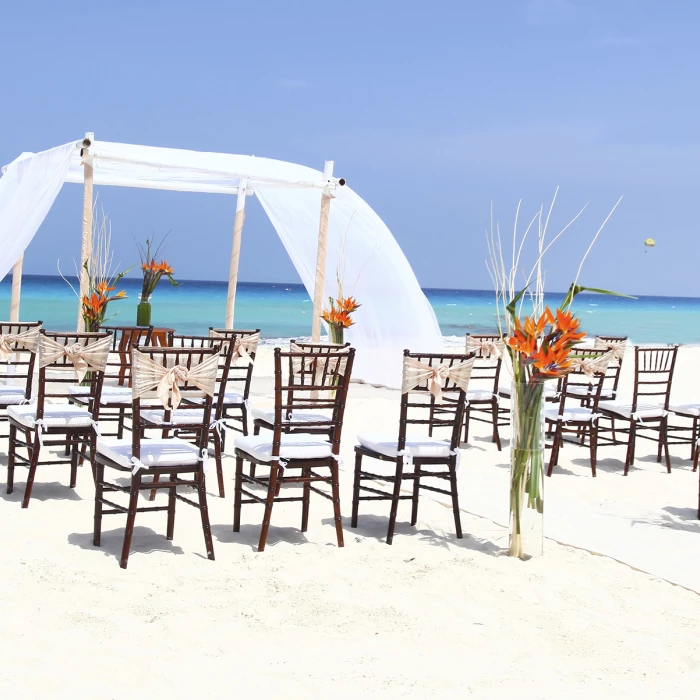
pixel 86 247
pixel 321 254
pixel 16 290
pixel 235 252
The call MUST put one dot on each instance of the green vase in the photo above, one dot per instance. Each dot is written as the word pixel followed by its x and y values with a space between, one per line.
pixel 336 333
pixel 143 314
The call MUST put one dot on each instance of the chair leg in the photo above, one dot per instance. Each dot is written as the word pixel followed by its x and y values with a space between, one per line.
pixel 556 443
pixel 629 459
pixel 74 461
pixel 594 448
pixel 356 490
pixel 204 512
pixel 130 518
pixel 395 500
pixel 612 428
pixel 337 517
pixel 271 490
pixel 238 485
pixel 455 497
pixel 120 423
pixel 467 415
pixel 36 448
pixel 244 419
pixel 494 418
pixel 306 497
pixel 219 464
pixel 694 444
pixel 664 436
pixel 12 447
pixel 414 500
pixel 659 452
pixel 99 490
pixel 152 495
pixel 172 500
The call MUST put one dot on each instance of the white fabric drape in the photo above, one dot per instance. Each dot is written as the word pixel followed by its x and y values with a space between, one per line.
pixel 395 313
pixel 28 188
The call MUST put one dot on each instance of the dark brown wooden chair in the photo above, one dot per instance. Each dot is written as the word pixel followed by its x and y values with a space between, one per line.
pixel 187 420
pixel 298 457
pixel 586 378
pixel 240 375
pixel 63 358
pixel 265 418
pixel 417 457
pixel 646 413
pixel 115 401
pixel 192 374
pixel 18 345
pixel 483 401
pixel 686 434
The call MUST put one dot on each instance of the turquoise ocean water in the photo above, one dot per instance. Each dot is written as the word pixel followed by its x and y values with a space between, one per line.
pixel 284 310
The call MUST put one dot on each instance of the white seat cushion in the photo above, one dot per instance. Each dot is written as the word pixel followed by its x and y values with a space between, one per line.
pixel 110 394
pixel 686 409
pixel 416 445
pixel 584 391
pixel 11 395
pixel 297 416
pixel 231 396
pixel 550 390
pixel 155 452
pixel 294 446
pixel 625 409
pixel 182 416
pixel 573 414
pixel 55 415
pixel 479 395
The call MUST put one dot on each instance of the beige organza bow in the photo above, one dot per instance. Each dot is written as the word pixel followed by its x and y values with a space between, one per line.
pixel 90 356
pixel 147 375
pixel 484 347
pixel 416 373
pixel 590 366
pixel 616 347
pixel 29 340
pixel 241 346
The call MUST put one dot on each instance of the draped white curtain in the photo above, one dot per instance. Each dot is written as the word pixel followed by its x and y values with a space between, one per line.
pixel 394 314
pixel 28 188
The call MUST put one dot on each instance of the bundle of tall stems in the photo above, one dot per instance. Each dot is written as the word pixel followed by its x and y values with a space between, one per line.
pixel 101 274
pixel 153 269
pixel 538 348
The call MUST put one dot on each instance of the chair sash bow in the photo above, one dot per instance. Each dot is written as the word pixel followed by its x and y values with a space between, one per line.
pixel 90 356
pixel 242 347
pixel 590 366
pixel 327 362
pixel 148 375
pixel 484 347
pixel 28 340
pixel 416 373
pixel 616 347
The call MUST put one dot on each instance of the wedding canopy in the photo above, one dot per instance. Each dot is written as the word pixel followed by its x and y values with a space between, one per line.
pixel 321 222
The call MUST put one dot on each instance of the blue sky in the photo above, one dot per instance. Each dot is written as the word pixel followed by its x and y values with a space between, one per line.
pixel 432 111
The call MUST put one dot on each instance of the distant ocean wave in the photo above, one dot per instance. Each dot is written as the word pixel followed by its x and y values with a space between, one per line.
pixel 283 310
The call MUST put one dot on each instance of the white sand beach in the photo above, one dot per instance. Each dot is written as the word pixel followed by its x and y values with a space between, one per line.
pixel 612 609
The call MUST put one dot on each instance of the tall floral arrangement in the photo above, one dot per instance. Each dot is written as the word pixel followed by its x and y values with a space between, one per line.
pixel 338 316
pixel 153 270
pixel 538 347
pixel 101 274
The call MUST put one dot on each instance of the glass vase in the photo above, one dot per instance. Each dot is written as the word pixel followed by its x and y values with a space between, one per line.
pixel 143 313
pixel 527 469
pixel 336 333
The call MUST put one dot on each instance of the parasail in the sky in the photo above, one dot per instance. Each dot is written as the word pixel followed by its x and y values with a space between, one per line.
pixel 649 243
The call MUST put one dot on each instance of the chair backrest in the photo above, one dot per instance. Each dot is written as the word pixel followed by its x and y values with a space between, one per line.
pixel 226 346
pixel 303 346
pixel 184 373
pixel 118 369
pixel 488 352
pixel 617 344
pixel 71 358
pixel 243 360
pixel 424 376
pixel 585 380
pixel 653 375
pixel 312 381
pixel 18 347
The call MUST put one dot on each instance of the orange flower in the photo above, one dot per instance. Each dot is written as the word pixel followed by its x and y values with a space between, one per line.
pixel 120 295
pixel 104 287
pixel 567 322
pixel 551 362
pixel 164 268
pixel 348 304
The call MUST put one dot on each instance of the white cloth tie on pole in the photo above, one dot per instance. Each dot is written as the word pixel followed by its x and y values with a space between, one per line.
pixel 40 428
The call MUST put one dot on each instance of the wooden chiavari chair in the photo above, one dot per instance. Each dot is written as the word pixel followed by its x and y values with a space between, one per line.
pixel 298 457
pixel 169 375
pixel 18 344
pixel 647 411
pixel 417 457
pixel 63 359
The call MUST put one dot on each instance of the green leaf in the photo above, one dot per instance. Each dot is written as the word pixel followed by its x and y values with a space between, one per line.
pixel 576 289
pixel 514 302
pixel 173 282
